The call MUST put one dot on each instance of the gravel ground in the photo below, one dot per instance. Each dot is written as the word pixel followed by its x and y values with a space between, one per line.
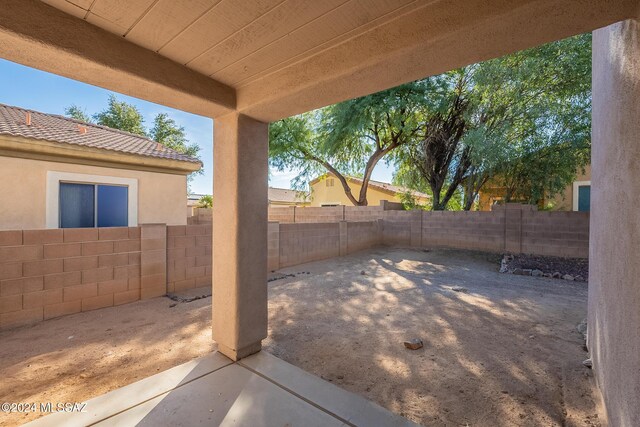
pixel 576 267
pixel 502 351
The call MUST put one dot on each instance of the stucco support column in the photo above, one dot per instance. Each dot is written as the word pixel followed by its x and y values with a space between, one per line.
pixel 614 241
pixel 240 152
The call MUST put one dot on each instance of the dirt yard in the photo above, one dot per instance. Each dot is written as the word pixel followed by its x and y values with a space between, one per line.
pixel 503 352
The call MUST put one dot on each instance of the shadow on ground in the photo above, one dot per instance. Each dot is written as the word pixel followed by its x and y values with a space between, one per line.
pixel 77 357
pixel 506 353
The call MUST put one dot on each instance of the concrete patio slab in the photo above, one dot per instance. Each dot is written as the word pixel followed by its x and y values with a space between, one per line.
pixel 350 407
pixel 261 390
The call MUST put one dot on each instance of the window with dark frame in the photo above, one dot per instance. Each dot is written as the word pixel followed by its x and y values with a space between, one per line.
pixel 93 205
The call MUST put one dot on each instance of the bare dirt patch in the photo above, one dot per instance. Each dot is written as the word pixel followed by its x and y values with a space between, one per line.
pixel 500 350
pixel 75 358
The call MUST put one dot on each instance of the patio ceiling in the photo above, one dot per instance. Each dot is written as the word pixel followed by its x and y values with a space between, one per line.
pixel 274 58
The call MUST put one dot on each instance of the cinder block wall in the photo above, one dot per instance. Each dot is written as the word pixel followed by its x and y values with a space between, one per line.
pixel 290 214
pixel 363 235
pixel 463 230
pixel 317 215
pixel 556 233
pixel 300 243
pixel 282 214
pixel 50 273
pixel 293 244
pixel 188 257
pixel 273 246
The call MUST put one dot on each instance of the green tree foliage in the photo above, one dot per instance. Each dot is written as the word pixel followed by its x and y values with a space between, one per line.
pixel 167 132
pixel 522 120
pixel 77 113
pixel 121 115
pixel 124 116
pixel 205 202
pixel 349 138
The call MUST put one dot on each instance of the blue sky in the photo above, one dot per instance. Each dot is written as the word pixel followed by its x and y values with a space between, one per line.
pixel 37 90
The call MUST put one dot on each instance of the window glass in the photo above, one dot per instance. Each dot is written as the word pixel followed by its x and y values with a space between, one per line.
pixel 76 205
pixel 113 209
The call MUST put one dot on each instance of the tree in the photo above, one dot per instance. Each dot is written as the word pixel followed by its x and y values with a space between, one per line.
pixel 124 116
pixel 167 132
pixel 121 115
pixel 77 113
pixel 205 201
pixel 523 119
pixel 348 138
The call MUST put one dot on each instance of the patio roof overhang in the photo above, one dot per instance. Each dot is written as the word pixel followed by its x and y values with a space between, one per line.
pixel 271 59
pixel 248 62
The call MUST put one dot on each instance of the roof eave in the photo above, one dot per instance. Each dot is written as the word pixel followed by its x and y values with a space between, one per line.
pixel 40 149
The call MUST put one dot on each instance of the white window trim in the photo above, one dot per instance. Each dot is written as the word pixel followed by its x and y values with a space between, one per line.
pixel 576 186
pixel 53 193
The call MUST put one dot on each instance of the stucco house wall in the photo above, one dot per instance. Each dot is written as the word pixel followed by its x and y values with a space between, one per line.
pixel 329 191
pixel 23 186
pixel 560 202
pixel 564 201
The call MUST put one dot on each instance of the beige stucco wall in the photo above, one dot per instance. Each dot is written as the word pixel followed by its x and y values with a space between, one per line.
pixel 614 288
pixel 564 200
pixel 161 197
pixel 322 194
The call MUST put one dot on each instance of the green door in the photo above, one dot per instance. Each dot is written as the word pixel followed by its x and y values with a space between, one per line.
pixel 584 198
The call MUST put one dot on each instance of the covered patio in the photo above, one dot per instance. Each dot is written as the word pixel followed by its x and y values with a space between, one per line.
pixel 260 390
pixel 246 63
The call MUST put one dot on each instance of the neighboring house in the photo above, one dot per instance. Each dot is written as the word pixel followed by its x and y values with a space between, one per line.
pixel 326 190
pixel 575 197
pixel 285 197
pixel 57 172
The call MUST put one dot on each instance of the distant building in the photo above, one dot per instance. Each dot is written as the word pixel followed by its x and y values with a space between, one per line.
pixel 326 190
pixel 575 197
pixel 285 197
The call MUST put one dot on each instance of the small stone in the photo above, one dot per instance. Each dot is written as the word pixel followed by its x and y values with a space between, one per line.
pixel 363 273
pixel 526 272
pixel 426 250
pixel 547 275
pixel 588 363
pixel 536 273
pixel 518 271
pixel 413 344
pixel 582 328
pixel 340 377
pixel 531 337
pixel 172 305
pixel 568 277
pixel 579 278
pixel 460 289
pixel 556 275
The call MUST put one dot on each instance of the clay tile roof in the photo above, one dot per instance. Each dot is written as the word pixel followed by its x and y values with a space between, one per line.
pixel 285 195
pixel 64 130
